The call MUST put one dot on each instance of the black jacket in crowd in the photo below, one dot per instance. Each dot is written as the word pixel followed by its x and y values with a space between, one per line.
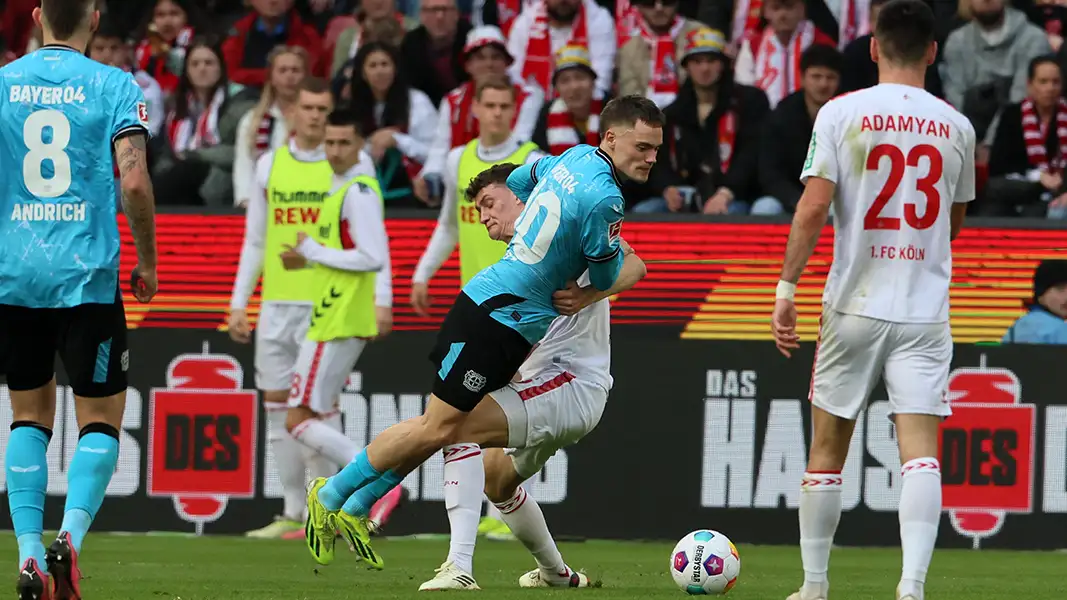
pixel 784 149
pixel 690 152
pixel 415 55
pixel 1008 155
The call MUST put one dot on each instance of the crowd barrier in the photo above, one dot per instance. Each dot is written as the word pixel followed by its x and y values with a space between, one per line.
pixel 696 434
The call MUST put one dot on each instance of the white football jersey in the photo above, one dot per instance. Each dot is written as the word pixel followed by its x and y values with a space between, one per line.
pixel 579 344
pixel 900 158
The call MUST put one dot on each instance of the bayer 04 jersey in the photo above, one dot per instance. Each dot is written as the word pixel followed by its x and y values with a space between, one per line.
pixel 60 113
pixel 900 158
pixel 571 222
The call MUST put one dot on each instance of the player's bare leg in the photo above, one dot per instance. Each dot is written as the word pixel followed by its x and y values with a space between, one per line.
pixel 820 500
pixel 920 499
pixel 503 487
pixel 33 412
pixel 289 461
pixel 88 476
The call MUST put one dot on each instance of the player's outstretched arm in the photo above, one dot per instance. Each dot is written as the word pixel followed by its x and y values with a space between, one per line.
pixel 600 241
pixel 138 201
pixel 573 299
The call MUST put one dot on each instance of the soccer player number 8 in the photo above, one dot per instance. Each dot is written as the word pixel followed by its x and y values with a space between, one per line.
pixel 40 151
pixel 536 227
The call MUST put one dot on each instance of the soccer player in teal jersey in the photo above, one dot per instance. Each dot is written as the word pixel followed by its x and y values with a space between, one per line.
pixel 571 223
pixel 61 115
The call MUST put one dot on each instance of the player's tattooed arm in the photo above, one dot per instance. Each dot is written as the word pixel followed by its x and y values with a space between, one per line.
pixel 138 197
pixel 812 211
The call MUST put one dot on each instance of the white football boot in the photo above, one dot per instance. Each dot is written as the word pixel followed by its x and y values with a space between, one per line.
pixel 450 577
pixel 537 579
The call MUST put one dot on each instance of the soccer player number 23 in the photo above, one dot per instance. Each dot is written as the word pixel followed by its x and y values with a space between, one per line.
pixel 897 162
pixel 536 227
pixel 53 150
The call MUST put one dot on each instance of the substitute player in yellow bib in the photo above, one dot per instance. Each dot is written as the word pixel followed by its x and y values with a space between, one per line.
pixel 494 106
pixel 495 103
pixel 350 279
pixel 287 199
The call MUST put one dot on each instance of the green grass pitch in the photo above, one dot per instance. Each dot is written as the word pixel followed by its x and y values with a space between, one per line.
pixel 120 567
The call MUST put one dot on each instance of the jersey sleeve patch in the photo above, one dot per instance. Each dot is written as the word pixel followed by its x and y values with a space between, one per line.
pixel 142 113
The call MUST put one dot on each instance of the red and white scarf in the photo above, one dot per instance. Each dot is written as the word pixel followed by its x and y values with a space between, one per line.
pixel 663 69
pixel 1035 134
pixel 464 125
pixel 727 139
pixel 264 133
pixel 746 20
pixel 538 66
pixel 778 64
pixel 853 21
pixel 203 132
pixel 562 133
pixel 626 21
pixel 506 11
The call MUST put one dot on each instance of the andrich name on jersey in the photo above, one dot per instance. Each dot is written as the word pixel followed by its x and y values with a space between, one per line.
pixel 916 125
pixel 73 211
pixel 36 94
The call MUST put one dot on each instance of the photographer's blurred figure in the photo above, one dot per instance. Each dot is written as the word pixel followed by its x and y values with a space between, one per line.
pixel 1046 320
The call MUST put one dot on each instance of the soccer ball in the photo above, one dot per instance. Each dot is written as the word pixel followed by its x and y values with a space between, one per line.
pixel 705 562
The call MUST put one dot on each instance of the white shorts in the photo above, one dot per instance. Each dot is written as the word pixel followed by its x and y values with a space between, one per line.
pixel 321 372
pixel 280 330
pixel 545 413
pixel 853 352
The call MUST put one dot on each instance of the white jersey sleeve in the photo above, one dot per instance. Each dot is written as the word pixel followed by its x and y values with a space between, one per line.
pixel 900 158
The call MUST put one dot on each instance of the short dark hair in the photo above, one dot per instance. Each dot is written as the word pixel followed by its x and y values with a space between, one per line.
pixel 905 30
pixel 109 29
pixel 494 175
pixel 65 17
pixel 345 117
pixel 628 110
pixel 821 55
pixel 1037 61
pixel 315 85
pixel 495 82
pixel 878 3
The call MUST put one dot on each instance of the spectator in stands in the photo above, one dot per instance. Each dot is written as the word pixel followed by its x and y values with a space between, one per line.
pixel 648 62
pixel 108 46
pixel 1029 153
pixel 788 131
pixel 16 27
pixel 397 120
pixel 371 16
pixel 269 24
pixel 858 71
pixel 713 134
pixel 546 26
pixel 486 55
pixel 433 51
pixel 1044 322
pixel 771 61
pixel 574 116
pixel 1049 15
pixel 201 132
pixel 266 127
pixel 167 36
pixel 984 65
pixel 853 18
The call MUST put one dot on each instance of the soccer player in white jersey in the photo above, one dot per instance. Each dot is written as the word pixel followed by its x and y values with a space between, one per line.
pixel 897 166
pixel 556 399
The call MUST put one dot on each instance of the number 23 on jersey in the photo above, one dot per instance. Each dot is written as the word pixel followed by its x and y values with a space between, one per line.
pixel 915 216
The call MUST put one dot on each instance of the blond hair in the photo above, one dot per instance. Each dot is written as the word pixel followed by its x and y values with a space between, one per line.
pixel 266 98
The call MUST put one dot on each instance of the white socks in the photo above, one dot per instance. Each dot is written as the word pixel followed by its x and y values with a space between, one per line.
pixel 288 461
pixel 820 511
pixel 317 464
pixel 527 522
pixel 326 440
pixel 464 485
pixel 491 511
pixel 920 515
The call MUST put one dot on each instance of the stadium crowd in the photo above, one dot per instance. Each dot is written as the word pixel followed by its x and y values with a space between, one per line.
pixel 741 83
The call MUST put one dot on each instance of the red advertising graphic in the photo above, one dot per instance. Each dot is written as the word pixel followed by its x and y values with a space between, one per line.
pixel 202 446
pixel 987 451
